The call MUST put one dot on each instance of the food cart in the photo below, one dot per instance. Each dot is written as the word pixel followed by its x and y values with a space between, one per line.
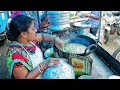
pixel 104 65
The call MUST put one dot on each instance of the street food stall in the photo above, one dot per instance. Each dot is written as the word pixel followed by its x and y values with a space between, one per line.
pixel 83 53
pixel 98 63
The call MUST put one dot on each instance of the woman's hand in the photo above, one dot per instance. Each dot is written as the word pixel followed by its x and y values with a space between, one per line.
pixel 53 61
pixel 50 62
pixel 58 41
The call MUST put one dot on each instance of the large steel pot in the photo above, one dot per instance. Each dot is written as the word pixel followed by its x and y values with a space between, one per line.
pixel 83 28
pixel 58 20
pixel 90 43
pixel 83 61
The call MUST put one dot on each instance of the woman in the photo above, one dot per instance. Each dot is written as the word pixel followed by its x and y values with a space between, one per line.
pixel 24 58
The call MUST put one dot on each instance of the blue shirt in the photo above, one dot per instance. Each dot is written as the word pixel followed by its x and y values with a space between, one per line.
pixel 94 22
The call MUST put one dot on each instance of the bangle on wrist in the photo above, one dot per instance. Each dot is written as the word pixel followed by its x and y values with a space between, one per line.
pixel 53 38
pixel 39 68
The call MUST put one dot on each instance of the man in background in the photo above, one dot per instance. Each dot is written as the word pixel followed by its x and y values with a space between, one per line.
pixel 94 18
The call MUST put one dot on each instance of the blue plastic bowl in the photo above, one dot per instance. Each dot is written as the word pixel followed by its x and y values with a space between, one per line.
pixel 49 52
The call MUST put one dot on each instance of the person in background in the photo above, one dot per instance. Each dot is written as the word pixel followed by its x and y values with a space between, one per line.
pixel 94 19
pixel 13 14
pixel 43 19
pixel 24 57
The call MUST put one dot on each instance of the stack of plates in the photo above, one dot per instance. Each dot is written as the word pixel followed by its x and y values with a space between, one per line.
pixel 82 25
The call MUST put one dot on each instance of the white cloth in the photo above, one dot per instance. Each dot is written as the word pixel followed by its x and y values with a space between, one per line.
pixel 35 58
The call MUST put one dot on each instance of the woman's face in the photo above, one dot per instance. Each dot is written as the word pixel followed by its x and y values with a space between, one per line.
pixel 31 32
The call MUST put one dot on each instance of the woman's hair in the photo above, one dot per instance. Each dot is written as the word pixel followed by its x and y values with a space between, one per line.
pixel 19 24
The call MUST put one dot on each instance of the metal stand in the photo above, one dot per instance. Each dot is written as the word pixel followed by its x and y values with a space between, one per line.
pixel 98 39
pixel 38 20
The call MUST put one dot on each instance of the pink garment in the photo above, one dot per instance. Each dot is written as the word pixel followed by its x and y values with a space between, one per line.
pixel 15 13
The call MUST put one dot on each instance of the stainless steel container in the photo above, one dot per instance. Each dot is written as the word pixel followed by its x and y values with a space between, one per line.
pixel 58 20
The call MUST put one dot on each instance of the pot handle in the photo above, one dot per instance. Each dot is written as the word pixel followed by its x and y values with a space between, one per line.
pixel 88 48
